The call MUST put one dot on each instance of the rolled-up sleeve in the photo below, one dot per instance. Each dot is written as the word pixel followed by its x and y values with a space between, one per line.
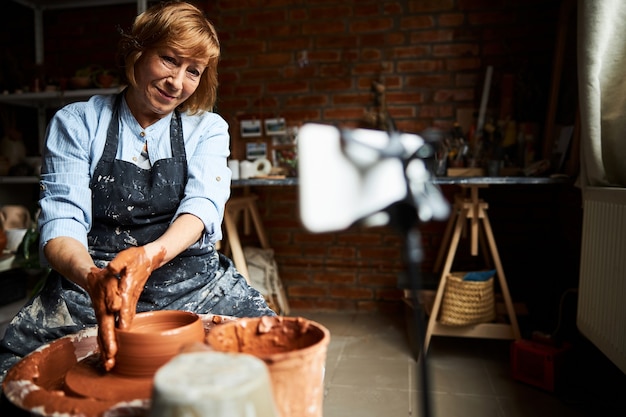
pixel 65 197
pixel 208 185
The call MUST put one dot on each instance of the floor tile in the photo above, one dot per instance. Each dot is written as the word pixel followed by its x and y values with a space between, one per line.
pixel 363 372
pixel 366 402
pixel 460 405
pixel 384 344
pixel 371 371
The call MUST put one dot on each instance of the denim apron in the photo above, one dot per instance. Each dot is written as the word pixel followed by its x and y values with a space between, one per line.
pixel 131 207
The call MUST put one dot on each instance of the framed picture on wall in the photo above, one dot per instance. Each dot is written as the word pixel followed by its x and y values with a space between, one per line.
pixel 275 127
pixel 256 150
pixel 250 128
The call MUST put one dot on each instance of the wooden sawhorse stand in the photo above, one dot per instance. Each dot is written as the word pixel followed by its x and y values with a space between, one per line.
pixel 236 208
pixel 470 211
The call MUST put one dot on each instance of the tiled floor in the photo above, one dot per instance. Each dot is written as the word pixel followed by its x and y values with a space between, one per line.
pixel 370 371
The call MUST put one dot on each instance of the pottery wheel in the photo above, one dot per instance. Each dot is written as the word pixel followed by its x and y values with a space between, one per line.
pixel 63 378
pixel 88 379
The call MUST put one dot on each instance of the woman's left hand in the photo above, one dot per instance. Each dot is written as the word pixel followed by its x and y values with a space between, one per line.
pixel 134 267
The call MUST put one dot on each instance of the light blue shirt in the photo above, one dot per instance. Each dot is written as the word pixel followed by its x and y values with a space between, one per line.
pixel 75 141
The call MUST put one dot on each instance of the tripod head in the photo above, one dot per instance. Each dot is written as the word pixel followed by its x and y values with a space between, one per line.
pixel 356 175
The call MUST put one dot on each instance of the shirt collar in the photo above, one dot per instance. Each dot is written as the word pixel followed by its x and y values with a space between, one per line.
pixel 128 119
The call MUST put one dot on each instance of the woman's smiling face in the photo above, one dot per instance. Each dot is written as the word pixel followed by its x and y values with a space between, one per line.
pixel 165 79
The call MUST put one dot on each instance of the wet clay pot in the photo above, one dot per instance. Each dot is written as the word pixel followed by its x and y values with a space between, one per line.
pixel 39 382
pixel 294 350
pixel 154 338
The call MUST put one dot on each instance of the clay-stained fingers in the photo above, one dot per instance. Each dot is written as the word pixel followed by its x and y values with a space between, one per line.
pixel 134 268
pixel 107 340
pixel 103 288
pixel 106 301
pixel 129 306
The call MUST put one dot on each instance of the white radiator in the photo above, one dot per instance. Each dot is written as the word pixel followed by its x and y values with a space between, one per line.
pixel 602 288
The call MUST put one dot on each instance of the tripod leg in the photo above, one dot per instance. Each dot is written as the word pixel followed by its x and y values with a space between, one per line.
pixel 414 257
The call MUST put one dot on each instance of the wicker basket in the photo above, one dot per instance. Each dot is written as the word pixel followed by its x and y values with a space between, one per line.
pixel 467 302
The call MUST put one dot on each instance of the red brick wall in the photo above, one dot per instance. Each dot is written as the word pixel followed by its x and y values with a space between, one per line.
pixel 430 55
pixel 537 230
pixel 350 270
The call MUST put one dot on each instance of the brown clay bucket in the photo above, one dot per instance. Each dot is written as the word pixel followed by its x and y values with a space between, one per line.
pixel 294 350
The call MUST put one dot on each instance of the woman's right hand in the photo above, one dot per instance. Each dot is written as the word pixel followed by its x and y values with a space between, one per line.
pixel 103 288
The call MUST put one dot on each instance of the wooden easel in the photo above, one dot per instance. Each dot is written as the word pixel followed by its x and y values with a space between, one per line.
pixel 236 208
pixel 470 212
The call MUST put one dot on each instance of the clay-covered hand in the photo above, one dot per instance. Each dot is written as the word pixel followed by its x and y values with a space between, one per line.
pixel 133 267
pixel 103 288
